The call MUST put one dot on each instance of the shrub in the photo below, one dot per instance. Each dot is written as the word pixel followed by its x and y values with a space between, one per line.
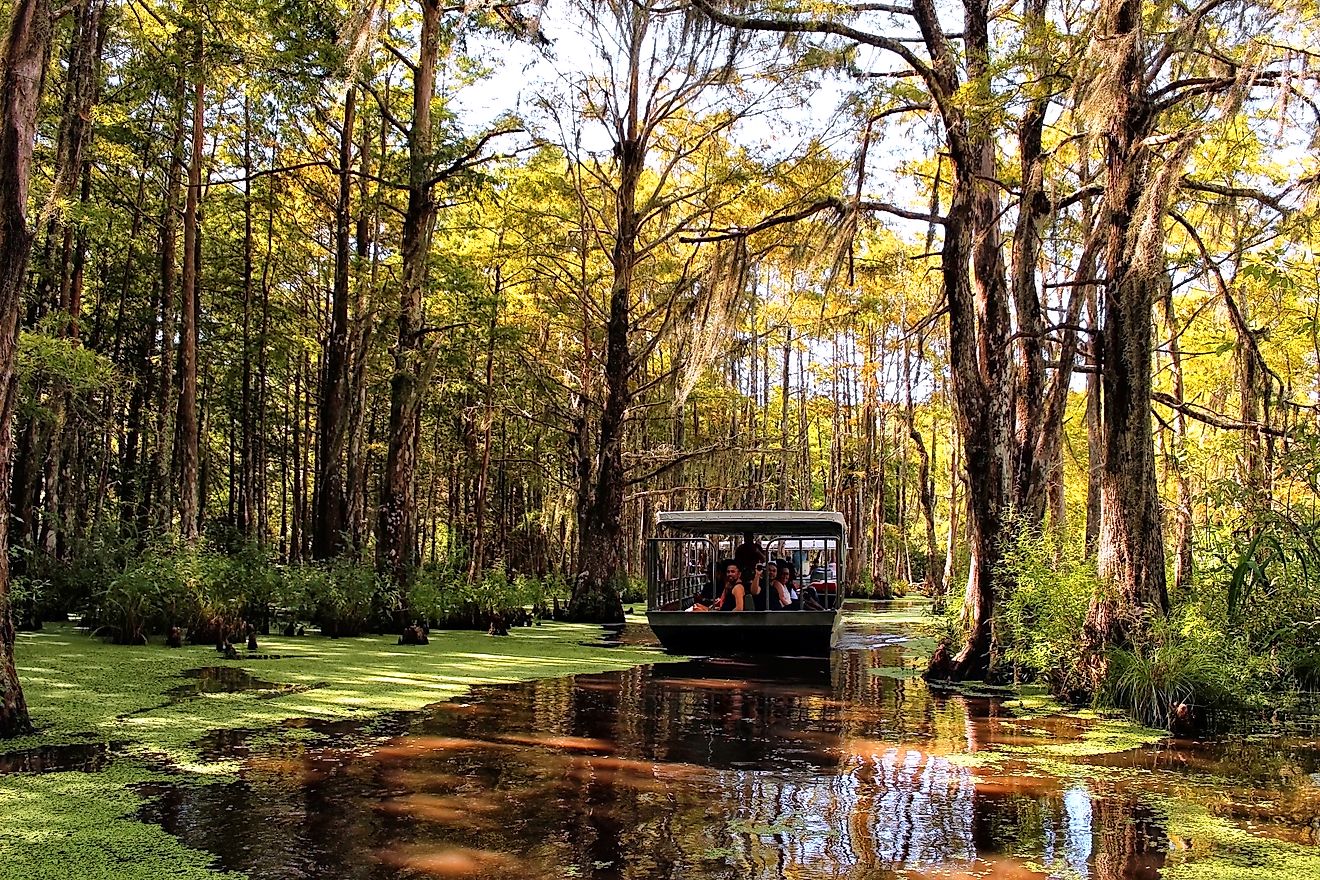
pixel 77 582
pixel 129 605
pixel 1038 623
pixel 448 599
pixel 27 596
pixel 1185 662
pixel 343 596
pixel 256 582
pixel 634 591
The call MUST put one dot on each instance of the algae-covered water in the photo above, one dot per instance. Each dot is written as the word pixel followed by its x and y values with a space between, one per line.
pixel 787 768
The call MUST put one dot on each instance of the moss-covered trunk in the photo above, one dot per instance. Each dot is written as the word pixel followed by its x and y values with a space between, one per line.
pixel 1130 550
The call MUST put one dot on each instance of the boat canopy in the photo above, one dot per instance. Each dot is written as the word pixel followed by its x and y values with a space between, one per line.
pixel 795 523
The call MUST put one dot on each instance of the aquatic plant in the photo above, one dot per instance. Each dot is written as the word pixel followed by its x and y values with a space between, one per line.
pixel 82 689
pixel 61 825
pixel 1183 671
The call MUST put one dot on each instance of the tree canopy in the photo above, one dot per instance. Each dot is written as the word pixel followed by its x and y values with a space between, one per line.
pixel 397 299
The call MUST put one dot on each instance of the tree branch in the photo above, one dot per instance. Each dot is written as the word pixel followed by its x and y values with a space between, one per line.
pixel 814 26
pixel 676 461
pixel 469 159
pixel 830 204
pixel 1237 192
pixel 1205 416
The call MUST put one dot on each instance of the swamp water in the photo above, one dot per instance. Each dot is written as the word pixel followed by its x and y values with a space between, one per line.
pixel 725 769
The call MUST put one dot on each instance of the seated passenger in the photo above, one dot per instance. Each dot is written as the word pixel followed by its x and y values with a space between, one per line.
pixel 782 595
pixel 732 591
pixel 810 600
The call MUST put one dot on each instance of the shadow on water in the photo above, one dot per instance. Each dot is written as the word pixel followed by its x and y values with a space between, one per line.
pixel 700 769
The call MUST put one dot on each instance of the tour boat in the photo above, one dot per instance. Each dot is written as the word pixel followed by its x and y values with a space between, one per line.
pixel 681 565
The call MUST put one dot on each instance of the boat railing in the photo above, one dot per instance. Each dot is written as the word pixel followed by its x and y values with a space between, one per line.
pixel 677 570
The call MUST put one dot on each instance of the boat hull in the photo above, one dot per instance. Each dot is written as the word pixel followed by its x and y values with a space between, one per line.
pixel 788 633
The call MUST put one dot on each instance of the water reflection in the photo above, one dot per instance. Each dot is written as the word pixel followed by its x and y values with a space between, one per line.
pixel 703 769
pixel 86 758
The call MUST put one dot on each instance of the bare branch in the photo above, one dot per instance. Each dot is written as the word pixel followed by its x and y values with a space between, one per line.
pixel 469 159
pixel 1201 414
pixel 837 206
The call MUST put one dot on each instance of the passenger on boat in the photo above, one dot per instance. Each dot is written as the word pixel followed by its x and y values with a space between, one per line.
pixel 782 595
pixel 732 593
pixel 750 557
pixel 810 599
pixel 705 597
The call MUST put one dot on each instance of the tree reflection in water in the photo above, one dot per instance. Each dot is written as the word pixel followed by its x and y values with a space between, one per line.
pixel 703 769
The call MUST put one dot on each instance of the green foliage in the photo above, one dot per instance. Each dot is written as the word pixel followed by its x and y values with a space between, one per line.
pixel 1188 658
pixel 47 356
pixel 210 594
pixel 1259 580
pixel 343 595
pixel 1185 660
pixel 634 590
pixel 1037 623
pixel 446 597
pixel 27 595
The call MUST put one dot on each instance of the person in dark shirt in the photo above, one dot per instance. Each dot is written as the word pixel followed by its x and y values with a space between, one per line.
pixel 750 557
pixel 810 599
pixel 733 595
pixel 705 597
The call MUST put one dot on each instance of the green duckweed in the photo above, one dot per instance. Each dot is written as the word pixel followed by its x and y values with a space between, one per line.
pixel 81 690
pixel 61 825
pixel 1207 847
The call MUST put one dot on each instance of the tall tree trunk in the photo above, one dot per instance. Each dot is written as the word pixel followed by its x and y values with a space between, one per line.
pixel 331 517
pixel 1094 433
pixel 247 453
pixel 22 73
pixel 979 332
pixel 413 358
pixel 1131 543
pixel 368 223
pixel 82 87
pixel 477 563
pixel 785 470
pixel 163 488
pixel 1031 463
pixel 926 490
pixel 602 574
pixel 1182 558
pixel 189 438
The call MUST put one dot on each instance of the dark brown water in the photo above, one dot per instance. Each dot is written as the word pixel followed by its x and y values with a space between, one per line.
pixel 716 769
pixel 221 680
pixel 87 758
